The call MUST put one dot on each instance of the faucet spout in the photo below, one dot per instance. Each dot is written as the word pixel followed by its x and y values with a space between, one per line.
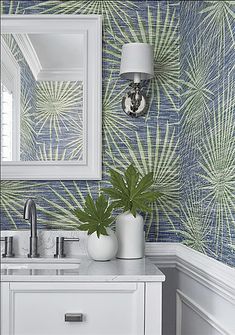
pixel 30 213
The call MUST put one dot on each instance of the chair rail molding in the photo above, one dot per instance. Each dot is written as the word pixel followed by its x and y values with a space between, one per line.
pixel 215 275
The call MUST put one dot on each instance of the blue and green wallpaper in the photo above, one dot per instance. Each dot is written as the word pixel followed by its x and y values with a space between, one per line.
pixel 207 127
pixel 187 138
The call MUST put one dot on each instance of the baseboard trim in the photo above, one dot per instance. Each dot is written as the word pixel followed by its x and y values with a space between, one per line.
pixel 215 275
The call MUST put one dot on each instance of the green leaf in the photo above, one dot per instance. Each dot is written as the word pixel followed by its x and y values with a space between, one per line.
pixel 81 215
pixel 118 182
pixel 108 222
pixel 131 192
pixel 84 227
pixel 145 183
pixel 101 205
pixel 90 206
pixel 91 230
pixel 142 206
pixel 103 231
pixel 133 210
pixel 149 196
pixel 96 215
pixel 132 177
pixel 113 193
pixel 108 211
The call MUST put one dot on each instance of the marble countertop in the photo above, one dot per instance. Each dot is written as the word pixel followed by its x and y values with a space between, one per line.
pixel 79 269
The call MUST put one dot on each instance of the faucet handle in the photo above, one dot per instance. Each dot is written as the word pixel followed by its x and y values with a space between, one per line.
pixel 60 245
pixel 8 246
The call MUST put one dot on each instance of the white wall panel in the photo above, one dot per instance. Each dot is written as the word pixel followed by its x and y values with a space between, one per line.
pixel 198 294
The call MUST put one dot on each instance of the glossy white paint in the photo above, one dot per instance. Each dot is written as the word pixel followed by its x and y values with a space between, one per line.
pixel 90 168
pixel 202 291
pixel 108 308
pixel 192 318
pixel 5 303
pixel 202 288
pixel 153 309
pixel 119 297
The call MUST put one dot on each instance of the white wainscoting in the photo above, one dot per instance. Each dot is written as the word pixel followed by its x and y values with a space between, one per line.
pixel 199 292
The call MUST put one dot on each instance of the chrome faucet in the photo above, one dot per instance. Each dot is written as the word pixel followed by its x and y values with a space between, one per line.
pixel 30 213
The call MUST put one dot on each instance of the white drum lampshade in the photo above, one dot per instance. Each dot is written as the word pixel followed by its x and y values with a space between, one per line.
pixel 137 62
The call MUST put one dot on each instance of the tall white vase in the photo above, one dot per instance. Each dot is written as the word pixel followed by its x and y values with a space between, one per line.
pixel 130 235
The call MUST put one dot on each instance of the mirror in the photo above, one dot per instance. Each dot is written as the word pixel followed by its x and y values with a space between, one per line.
pixel 51 97
pixel 46 121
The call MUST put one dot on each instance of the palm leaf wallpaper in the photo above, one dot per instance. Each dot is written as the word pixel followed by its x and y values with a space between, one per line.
pixel 59 113
pixel 207 132
pixel 186 140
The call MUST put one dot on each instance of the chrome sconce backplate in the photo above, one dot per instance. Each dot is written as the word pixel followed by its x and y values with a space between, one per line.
pixel 134 103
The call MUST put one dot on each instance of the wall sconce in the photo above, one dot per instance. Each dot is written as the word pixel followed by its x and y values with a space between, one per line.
pixel 136 65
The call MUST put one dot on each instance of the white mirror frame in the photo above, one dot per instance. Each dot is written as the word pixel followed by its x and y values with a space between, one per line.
pixel 91 167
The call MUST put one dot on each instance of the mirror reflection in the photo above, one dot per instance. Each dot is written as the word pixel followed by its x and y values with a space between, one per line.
pixel 42 97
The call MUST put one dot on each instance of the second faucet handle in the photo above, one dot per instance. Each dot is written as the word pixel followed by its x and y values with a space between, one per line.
pixel 60 245
pixel 8 246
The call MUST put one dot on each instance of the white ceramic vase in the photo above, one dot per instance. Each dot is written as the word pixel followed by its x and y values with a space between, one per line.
pixel 130 235
pixel 103 248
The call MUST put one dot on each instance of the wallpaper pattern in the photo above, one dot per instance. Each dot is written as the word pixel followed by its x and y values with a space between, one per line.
pixel 207 141
pixel 175 140
pixel 59 120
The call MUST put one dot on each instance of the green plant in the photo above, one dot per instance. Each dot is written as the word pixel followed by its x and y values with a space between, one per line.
pixel 96 215
pixel 131 191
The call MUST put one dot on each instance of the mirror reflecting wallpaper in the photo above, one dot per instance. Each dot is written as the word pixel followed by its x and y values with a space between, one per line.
pixel 42 97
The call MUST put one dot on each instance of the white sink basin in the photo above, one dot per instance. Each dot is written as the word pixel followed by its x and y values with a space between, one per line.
pixel 39 266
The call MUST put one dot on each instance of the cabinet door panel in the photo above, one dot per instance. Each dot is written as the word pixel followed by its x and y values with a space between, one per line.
pixel 108 309
pixel 4 324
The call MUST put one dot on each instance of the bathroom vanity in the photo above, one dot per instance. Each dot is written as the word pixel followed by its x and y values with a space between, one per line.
pixel 79 296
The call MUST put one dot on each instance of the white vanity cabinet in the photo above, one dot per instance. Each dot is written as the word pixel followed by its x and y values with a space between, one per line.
pixel 106 308
pixel 121 304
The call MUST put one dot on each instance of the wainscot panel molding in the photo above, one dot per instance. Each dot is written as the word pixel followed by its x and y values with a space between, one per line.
pixel 185 326
pixel 203 290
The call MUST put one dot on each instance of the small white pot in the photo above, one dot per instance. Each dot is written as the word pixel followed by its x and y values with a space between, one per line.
pixel 130 235
pixel 103 248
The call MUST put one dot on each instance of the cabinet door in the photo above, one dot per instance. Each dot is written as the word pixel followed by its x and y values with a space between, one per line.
pixel 107 308
pixel 4 324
